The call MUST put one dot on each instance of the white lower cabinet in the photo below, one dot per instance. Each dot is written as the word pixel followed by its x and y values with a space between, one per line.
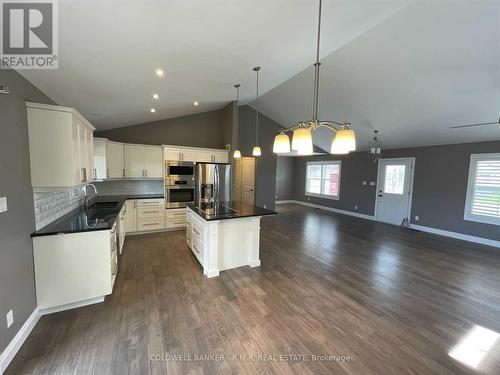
pixel 175 218
pixel 131 216
pixel 75 269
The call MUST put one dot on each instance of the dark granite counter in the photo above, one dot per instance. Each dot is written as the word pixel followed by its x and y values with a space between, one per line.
pixel 102 216
pixel 229 210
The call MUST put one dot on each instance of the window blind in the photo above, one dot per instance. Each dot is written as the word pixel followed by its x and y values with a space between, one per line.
pixel 486 188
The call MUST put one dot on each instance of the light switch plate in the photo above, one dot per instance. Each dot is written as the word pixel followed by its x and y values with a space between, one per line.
pixel 364 183
pixel 3 204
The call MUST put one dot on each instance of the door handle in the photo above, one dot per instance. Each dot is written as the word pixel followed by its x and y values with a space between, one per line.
pixel 380 195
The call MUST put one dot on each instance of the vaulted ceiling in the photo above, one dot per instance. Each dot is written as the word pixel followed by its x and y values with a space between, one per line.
pixel 433 65
pixel 408 68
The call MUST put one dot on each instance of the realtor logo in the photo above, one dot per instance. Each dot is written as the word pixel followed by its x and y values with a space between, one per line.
pixel 29 34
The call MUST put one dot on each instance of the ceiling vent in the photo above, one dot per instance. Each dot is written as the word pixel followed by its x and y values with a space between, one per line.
pixel 4 89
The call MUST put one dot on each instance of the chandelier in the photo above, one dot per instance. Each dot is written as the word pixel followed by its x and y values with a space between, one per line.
pixel 375 147
pixel 344 140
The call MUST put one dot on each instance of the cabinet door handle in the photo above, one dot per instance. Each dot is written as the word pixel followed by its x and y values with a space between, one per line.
pixel 107 173
pixel 84 175
pixel 135 204
pixel 195 231
pixel 123 172
pixel 195 249
pixel 95 174
pixel 146 172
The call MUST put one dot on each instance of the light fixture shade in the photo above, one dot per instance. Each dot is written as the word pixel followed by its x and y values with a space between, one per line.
pixel 237 154
pixel 344 142
pixel 281 144
pixel 302 141
pixel 256 151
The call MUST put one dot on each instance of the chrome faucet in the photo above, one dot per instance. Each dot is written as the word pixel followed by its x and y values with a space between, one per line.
pixel 86 194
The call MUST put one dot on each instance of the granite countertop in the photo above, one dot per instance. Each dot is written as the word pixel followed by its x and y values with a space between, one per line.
pixel 90 219
pixel 229 210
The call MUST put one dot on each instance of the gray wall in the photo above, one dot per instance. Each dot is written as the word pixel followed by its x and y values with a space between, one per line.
pixel 265 177
pixel 439 188
pixel 284 178
pixel 17 286
pixel 208 129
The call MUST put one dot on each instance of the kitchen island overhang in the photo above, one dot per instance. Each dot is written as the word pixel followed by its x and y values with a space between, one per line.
pixel 225 235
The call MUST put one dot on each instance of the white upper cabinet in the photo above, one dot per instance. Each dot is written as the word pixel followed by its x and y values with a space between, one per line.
pixel 172 153
pixel 143 161
pixel 153 161
pixel 100 158
pixel 204 156
pixel 115 166
pixel 61 147
pixel 179 154
pixel 221 156
pixel 134 161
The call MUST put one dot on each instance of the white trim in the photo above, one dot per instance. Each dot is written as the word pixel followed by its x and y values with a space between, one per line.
pixel 441 232
pixel 468 215
pixel 324 162
pixel 285 202
pixel 335 210
pixel 459 236
pixel 15 344
pixel 410 196
pixel 69 306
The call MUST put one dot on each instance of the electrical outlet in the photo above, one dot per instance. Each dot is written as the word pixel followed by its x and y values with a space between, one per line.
pixel 308 198
pixel 364 183
pixel 417 218
pixel 265 206
pixel 10 318
pixel 3 204
pixel 372 183
pixel 355 206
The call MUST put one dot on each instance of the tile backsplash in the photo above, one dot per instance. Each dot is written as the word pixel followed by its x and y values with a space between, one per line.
pixel 51 206
pixel 125 187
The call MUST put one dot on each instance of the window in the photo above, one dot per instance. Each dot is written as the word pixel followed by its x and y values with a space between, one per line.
pixel 483 191
pixel 323 179
pixel 394 182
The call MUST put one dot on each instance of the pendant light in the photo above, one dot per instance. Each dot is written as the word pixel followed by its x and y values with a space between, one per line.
pixel 237 152
pixel 256 150
pixel 345 139
pixel 375 147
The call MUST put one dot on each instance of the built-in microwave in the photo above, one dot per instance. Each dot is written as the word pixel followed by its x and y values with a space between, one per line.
pixel 179 173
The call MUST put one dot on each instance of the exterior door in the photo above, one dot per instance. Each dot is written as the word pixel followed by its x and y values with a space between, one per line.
pixel 395 177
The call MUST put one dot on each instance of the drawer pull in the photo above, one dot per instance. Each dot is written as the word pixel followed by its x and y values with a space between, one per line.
pixel 179 222
pixel 151 224
pixel 195 249
pixel 150 212
pixel 195 231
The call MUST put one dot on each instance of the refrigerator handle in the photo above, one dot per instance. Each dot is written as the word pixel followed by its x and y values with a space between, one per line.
pixel 216 185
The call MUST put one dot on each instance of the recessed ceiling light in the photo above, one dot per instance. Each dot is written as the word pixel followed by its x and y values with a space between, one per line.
pixel 195 103
pixel 159 73
pixel 152 110
pixel 156 96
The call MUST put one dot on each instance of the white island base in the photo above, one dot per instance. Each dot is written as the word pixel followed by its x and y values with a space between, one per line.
pixel 223 244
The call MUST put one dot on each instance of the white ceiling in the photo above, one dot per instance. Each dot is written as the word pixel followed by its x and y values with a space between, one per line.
pixel 433 65
pixel 109 50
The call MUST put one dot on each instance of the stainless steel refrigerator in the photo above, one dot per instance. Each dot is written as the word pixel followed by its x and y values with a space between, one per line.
pixel 212 183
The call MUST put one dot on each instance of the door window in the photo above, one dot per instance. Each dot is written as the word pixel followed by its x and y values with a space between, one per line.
pixel 394 179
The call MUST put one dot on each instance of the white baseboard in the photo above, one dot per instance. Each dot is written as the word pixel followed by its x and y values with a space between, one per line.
pixel 70 306
pixel 254 263
pixel 285 202
pixel 459 236
pixel 336 210
pixel 15 344
pixel 441 232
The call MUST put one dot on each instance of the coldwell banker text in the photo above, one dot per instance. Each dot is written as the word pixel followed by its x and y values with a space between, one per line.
pixel 29 34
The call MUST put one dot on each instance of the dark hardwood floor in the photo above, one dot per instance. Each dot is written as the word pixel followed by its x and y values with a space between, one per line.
pixel 394 301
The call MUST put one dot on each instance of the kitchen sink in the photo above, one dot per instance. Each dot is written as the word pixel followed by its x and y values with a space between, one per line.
pixel 103 205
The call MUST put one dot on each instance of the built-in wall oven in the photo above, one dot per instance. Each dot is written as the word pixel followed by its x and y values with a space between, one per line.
pixel 179 183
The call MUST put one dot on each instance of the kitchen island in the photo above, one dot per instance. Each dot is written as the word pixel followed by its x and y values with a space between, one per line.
pixel 225 235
